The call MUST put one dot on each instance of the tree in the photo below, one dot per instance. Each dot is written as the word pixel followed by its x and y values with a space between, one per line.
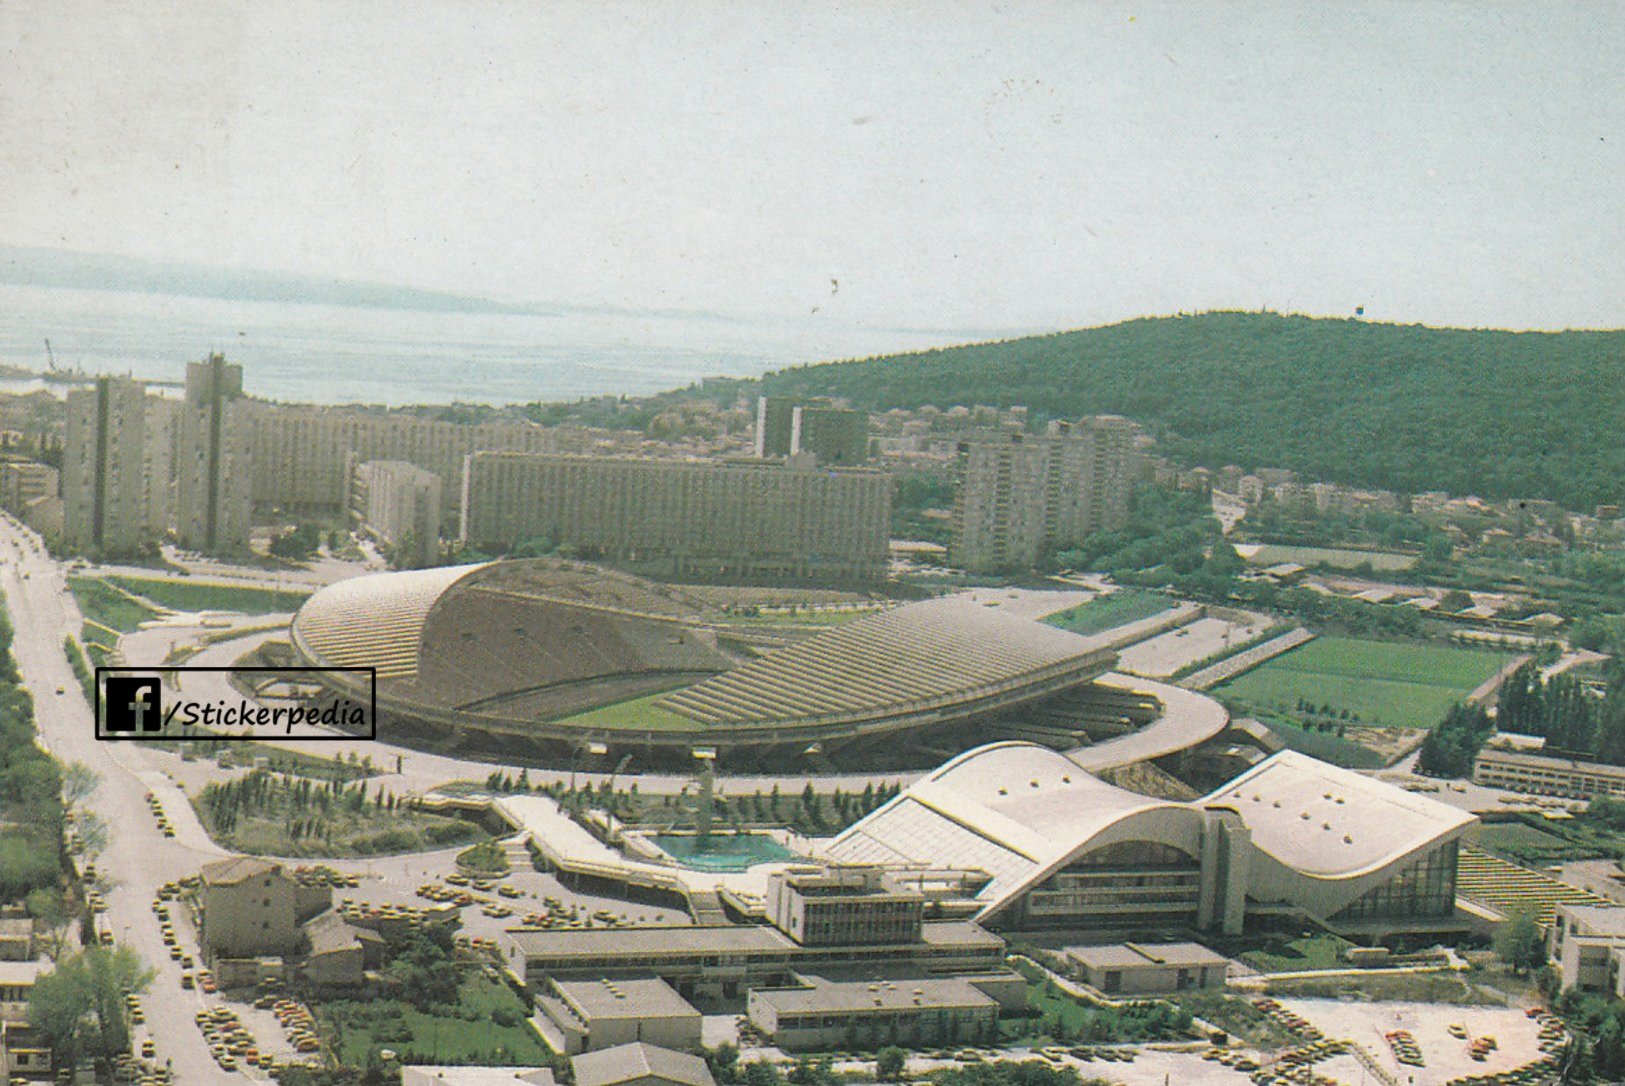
pixel 52 919
pixel 78 1008
pixel 889 1063
pixel 1521 944
pixel 78 782
pixel 724 1062
pixel 761 1073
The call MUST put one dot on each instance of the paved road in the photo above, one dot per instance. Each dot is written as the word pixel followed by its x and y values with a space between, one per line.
pixel 138 858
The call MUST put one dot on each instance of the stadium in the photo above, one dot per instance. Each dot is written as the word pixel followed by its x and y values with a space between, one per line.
pixel 556 660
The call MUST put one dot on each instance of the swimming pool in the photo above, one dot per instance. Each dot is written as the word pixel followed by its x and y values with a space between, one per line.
pixel 722 851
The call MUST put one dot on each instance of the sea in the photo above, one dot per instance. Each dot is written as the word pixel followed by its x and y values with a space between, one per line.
pixel 298 352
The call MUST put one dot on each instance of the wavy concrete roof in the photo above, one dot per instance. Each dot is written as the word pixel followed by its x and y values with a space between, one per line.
pixel 1333 823
pixel 1018 811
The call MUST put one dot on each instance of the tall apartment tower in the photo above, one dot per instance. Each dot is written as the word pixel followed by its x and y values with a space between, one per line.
pixel 1020 495
pixel 774 419
pixel 213 453
pixel 836 435
pixel 103 467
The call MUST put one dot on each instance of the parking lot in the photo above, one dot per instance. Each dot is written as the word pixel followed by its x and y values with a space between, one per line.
pixel 1161 656
pixel 1444 1056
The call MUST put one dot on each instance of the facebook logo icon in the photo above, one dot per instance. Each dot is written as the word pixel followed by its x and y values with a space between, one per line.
pixel 133 704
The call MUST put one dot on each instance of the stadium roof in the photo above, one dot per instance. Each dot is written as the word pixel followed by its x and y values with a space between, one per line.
pixel 1329 822
pixel 907 659
pixel 1017 811
pixel 373 621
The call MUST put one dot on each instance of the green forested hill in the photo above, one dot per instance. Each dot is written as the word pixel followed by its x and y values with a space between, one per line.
pixel 1404 407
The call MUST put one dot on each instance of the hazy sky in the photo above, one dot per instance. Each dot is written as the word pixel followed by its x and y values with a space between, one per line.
pixel 951 165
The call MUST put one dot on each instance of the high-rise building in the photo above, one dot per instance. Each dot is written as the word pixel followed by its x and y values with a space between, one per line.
pixel 399 505
pixel 103 467
pixel 775 416
pixel 214 459
pixel 734 520
pixel 304 456
pixel 835 434
pixel 1018 496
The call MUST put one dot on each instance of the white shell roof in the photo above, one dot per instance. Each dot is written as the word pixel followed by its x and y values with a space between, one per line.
pixel 1330 822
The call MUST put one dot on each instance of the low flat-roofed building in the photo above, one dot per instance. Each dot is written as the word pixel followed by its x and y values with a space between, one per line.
pixel 725 961
pixel 17 939
pixel 820 1013
pixel 1546 775
pixel 16 982
pixel 1149 968
pixel 23 1052
pixel 476 1076
pixel 640 1064
pixel 1587 942
pixel 604 1013
pixel 844 906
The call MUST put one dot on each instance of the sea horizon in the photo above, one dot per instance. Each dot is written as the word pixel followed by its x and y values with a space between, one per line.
pixel 317 353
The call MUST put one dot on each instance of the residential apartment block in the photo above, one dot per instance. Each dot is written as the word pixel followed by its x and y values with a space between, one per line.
pixel 399 504
pixel 104 467
pixel 1019 495
pixel 213 458
pixel 733 519
pixel 304 457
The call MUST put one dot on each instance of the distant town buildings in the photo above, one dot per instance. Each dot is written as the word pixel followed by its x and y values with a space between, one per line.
pixel 680 518
pixel 1020 495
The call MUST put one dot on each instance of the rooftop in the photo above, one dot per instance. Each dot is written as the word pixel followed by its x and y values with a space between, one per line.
pixel 644 998
pixel 938 651
pixel 1140 955
pixel 475 1076
pixel 625 1063
pixel 1332 822
pixel 851 996
pixel 237 869
pixel 657 942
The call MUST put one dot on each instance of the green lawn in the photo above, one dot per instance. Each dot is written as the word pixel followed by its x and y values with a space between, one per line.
pixel 1272 554
pixel 1106 612
pixel 467 1033
pixel 1280 954
pixel 187 595
pixel 1327 746
pixel 1061 1017
pixel 634 713
pixel 106 606
pixel 1378 682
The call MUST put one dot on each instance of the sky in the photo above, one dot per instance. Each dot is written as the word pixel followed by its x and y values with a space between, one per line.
pixel 888 164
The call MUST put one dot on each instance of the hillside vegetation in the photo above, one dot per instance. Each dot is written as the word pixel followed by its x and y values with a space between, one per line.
pixel 1402 407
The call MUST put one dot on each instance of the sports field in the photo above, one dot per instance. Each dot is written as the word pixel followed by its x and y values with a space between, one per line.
pixel 640 712
pixel 1337 557
pixel 1117 609
pixel 1378 682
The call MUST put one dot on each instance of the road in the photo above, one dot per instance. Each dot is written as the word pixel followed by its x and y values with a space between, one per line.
pixel 138 858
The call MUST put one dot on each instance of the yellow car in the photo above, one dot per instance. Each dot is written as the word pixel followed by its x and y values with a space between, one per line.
pixel 148 1049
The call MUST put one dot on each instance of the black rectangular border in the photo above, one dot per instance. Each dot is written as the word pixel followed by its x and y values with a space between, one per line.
pixel 96 721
